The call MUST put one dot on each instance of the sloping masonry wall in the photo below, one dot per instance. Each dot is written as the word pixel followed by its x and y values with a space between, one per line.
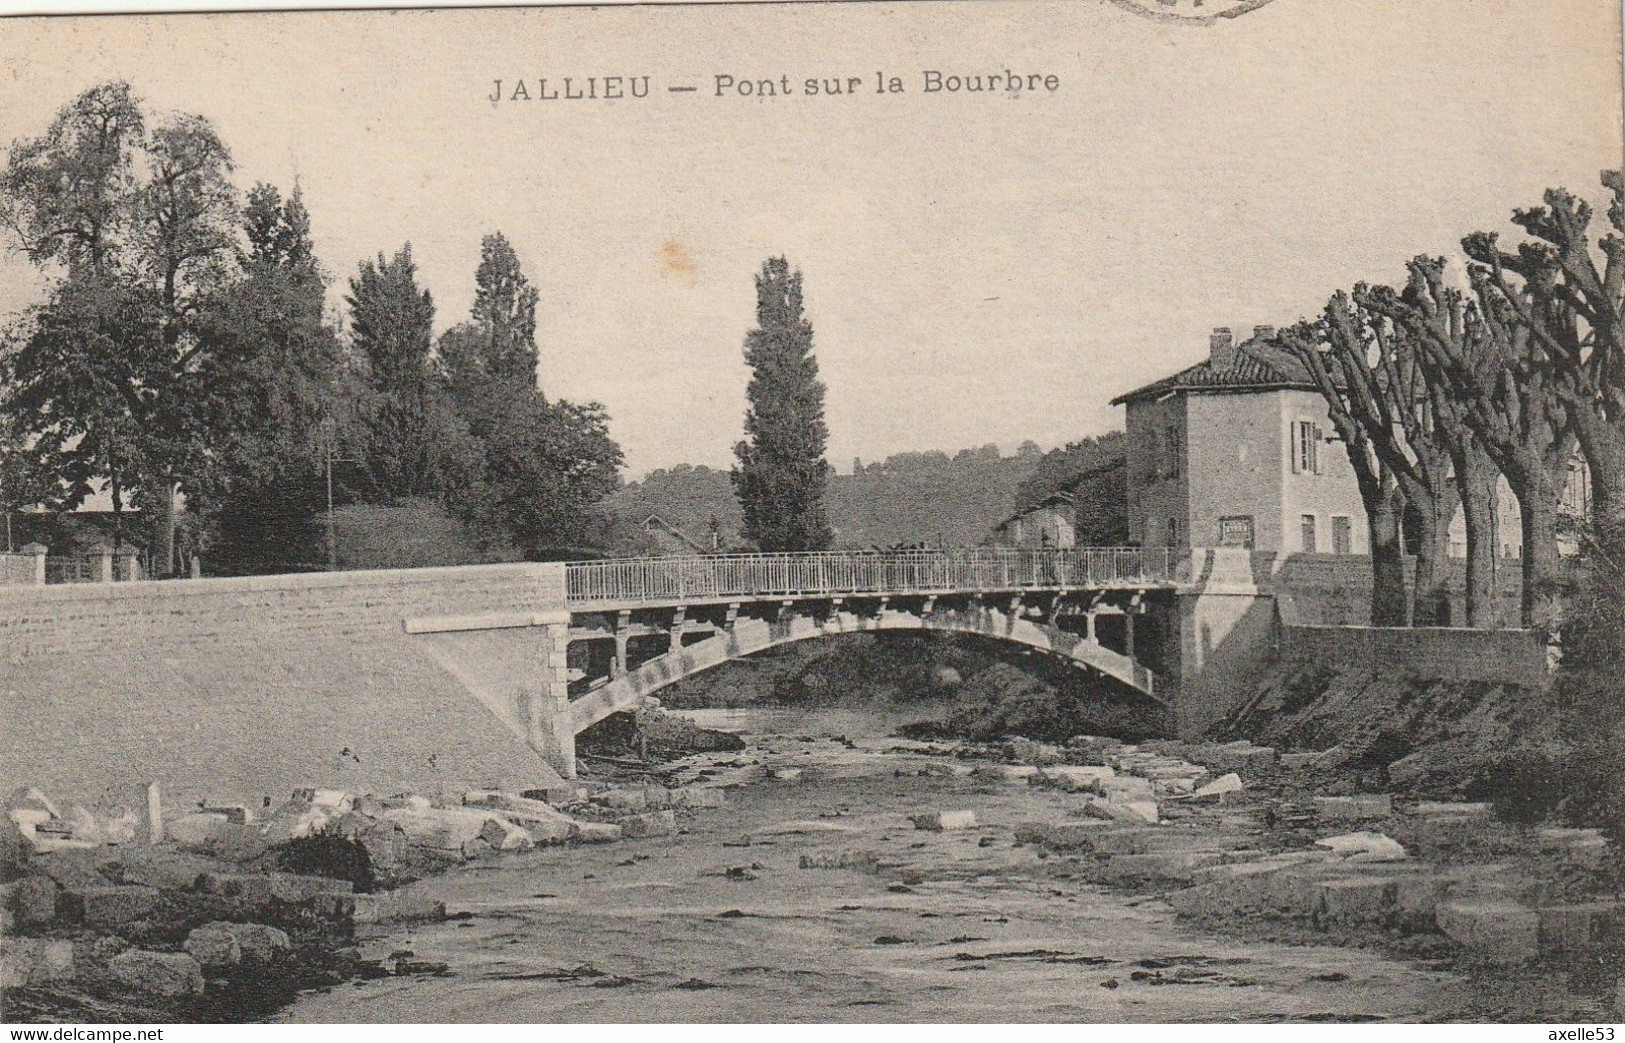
pixel 238 688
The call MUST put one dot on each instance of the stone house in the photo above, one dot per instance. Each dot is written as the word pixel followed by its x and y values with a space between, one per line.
pixel 1238 451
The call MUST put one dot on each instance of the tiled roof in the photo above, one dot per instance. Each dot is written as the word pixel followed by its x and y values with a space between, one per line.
pixel 1258 366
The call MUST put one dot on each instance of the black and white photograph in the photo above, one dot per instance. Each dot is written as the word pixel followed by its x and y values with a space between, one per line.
pixel 892 512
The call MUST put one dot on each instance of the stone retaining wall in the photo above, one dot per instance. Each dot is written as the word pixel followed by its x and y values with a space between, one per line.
pixel 242 688
pixel 1435 653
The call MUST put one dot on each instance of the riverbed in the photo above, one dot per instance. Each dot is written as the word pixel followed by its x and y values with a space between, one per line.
pixel 745 916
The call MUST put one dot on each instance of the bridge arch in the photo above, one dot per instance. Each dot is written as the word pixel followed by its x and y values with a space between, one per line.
pixel 749 636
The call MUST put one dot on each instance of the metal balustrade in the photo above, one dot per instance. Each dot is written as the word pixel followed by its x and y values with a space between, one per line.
pixel 686 578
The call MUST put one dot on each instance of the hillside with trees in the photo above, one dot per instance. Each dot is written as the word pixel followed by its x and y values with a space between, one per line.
pixel 907 498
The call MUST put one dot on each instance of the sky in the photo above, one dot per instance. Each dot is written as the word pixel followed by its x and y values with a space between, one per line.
pixel 979 267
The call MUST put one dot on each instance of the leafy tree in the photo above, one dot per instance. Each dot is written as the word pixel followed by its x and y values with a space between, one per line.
pixel 781 476
pixel 499 340
pixel 535 469
pixel 136 216
pixel 269 392
pixel 391 323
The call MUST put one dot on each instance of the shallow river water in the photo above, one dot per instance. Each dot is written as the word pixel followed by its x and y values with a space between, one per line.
pixel 722 923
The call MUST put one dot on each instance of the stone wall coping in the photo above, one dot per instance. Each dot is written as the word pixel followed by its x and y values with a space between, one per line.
pixel 296 581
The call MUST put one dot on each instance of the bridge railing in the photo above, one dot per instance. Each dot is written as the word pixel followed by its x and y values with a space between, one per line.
pixel 834 573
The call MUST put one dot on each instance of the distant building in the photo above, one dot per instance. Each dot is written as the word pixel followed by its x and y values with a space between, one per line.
pixel 1238 451
pixel 1049 524
pixel 668 539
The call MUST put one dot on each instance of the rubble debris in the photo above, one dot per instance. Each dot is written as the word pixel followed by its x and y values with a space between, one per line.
pixel 1216 790
pixel 937 821
pixel 1364 846
pixel 1362 807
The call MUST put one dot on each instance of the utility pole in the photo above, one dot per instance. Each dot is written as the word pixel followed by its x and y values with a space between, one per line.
pixel 327 452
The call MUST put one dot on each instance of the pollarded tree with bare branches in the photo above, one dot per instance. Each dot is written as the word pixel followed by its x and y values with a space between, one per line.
pixel 1427 299
pixel 1313 343
pixel 1573 307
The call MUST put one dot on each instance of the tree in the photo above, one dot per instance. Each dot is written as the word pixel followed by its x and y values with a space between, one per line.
pixel 1511 402
pixel 1371 379
pixel 781 477
pixel 541 468
pixel 501 337
pixel 270 385
pixel 1573 308
pixel 1379 487
pixel 137 219
pixel 392 328
pixel 1442 308
pixel 534 469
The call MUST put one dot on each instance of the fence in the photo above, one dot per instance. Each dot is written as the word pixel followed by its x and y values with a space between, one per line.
pixel 834 573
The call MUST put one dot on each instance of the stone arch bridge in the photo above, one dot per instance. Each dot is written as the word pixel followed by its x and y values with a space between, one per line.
pixel 629 627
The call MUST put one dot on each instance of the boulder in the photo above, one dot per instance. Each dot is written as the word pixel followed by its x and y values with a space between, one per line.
pixel 649 824
pixel 292 821
pixel 860 861
pixel 192 831
pixel 157 973
pixel 238 814
pixel 257 942
pixel 1068 835
pixel 1131 812
pixel 1364 847
pixel 595 832
pixel 1298 761
pixel 1029 751
pixel 333 801
pixel 1216 790
pixel 699 797
pixel 937 821
pixel 1358 901
pixel 503 835
pixel 1502 931
pixel 82 825
pixel 121 827
pixel 213 947
pixel 545 823
pixel 394 907
pixel 235 842
pixel 109 905
pixel 1581 928
pixel 451 832
pixel 1361 807
pixel 33 900
pixel 629 799
pixel 1123 789
pixel 34 961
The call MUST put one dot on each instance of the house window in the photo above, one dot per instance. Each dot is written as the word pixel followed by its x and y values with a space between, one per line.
pixel 1171 454
pixel 1236 532
pixel 1173 532
pixel 1305 447
pixel 1308 523
pixel 1342 536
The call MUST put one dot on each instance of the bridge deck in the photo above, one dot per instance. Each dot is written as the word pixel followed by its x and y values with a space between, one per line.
pixel 699 579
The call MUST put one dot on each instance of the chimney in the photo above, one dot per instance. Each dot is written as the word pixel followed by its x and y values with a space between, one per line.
pixel 1222 348
pixel 1263 333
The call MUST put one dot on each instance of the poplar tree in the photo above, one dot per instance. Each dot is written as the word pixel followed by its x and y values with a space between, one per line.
pixel 781 476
